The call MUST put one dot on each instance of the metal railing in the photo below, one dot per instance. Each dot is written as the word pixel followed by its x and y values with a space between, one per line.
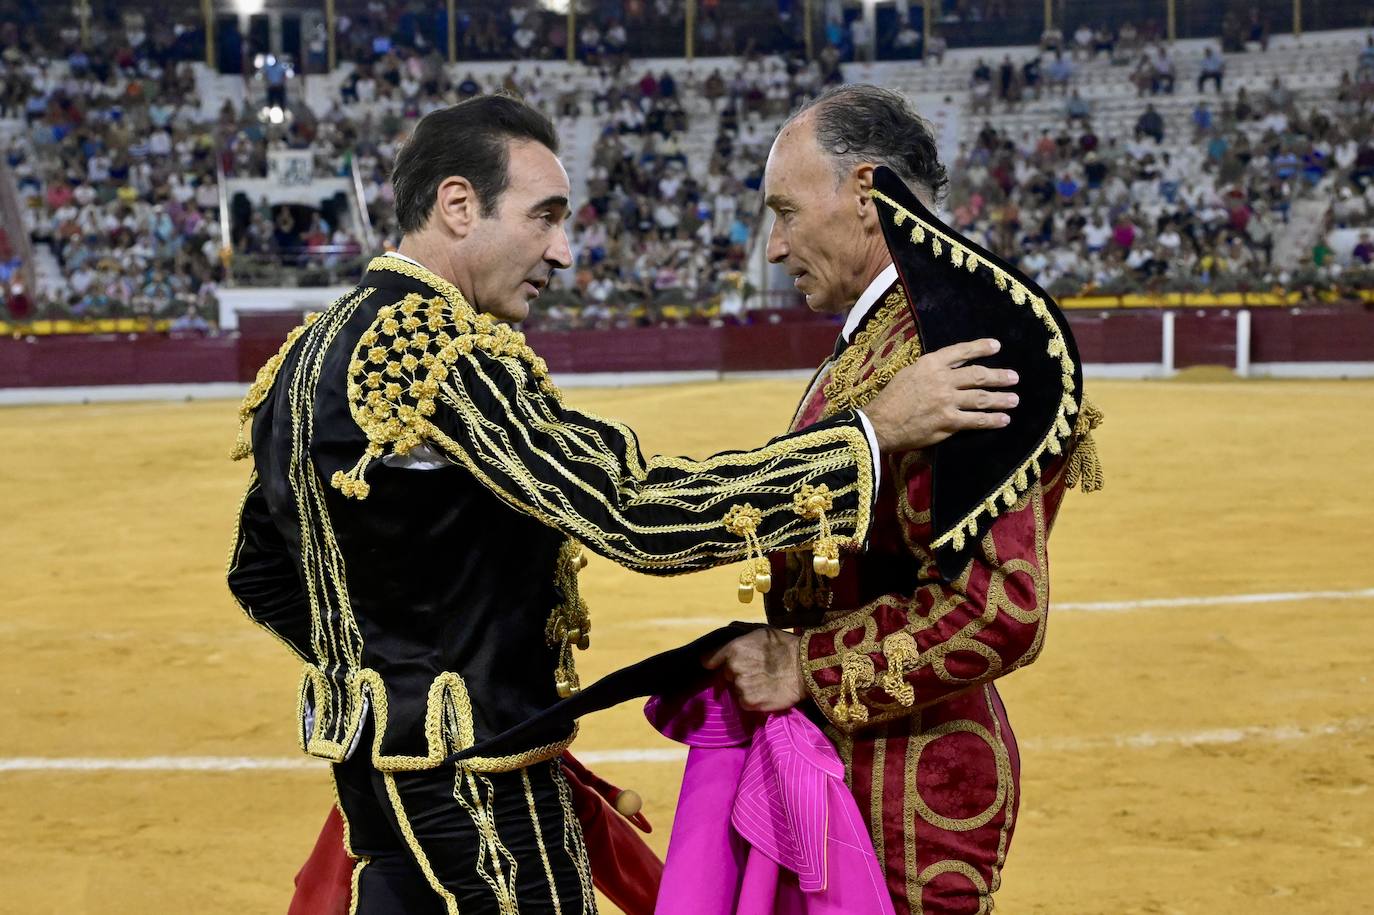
pixel 12 220
pixel 315 267
pixel 359 201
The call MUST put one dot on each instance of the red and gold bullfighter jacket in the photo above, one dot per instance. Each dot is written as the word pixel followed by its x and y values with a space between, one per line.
pixel 901 660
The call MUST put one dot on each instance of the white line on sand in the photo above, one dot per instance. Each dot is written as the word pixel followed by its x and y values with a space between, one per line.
pixel 1103 606
pixel 1218 736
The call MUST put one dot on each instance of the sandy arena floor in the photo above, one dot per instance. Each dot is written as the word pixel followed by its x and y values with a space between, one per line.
pixel 1198 754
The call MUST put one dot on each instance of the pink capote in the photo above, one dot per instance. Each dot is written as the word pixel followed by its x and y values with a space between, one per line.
pixel 765 824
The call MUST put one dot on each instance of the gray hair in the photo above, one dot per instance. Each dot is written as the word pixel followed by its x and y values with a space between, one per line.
pixel 861 123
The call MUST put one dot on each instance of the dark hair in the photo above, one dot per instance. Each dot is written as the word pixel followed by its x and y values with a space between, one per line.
pixel 468 139
pixel 861 123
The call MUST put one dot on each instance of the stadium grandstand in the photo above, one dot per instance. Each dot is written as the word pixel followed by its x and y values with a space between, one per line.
pixel 167 173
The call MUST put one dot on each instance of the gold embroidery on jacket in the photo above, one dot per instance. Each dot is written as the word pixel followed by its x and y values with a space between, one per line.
pixel 539 841
pixel 425 351
pixel 477 796
pixel 945 599
pixel 262 385
pixel 871 348
pixel 413 843
pixel 573 842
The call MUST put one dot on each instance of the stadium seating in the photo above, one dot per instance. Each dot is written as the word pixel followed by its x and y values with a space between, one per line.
pixel 141 194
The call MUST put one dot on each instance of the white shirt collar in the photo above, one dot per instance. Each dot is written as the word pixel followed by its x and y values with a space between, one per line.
pixel 867 301
pixel 408 260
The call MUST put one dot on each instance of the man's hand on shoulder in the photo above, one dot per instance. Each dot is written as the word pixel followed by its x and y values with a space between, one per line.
pixel 763 668
pixel 940 395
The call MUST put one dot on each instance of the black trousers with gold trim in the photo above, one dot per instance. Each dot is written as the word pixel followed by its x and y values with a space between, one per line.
pixel 453 842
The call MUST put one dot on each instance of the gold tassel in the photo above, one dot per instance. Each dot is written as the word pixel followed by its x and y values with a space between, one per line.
pixel 743 521
pixel 570 624
pixel 351 483
pixel 241 449
pixel 811 503
pixel 1084 469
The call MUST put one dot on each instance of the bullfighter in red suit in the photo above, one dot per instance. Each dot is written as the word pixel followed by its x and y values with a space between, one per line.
pixel 898 647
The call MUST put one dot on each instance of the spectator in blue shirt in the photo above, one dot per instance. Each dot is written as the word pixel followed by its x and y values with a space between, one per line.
pixel 1060 72
pixel 1202 118
pixel 1213 68
pixel 274 72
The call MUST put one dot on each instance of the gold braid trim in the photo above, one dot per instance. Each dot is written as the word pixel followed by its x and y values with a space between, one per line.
pixel 844 390
pixel 448 724
pixel 569 624
pixel 1018 481
pixel 400 361
pixel 1084 467
pixel 262 385
pixel 403 820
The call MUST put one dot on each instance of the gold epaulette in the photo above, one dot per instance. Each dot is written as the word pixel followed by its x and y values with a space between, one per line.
pixel 402 363
pixel 262 384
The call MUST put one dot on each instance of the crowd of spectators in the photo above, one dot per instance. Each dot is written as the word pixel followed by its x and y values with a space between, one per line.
pixel 116 167
pixel 1081 212
pixel 116 175
pixel 662 236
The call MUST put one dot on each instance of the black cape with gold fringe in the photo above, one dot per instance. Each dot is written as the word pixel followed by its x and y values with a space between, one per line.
pixel 959 291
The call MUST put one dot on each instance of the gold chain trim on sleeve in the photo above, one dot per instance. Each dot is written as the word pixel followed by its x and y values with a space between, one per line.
pixel 401 360
pixel 1084 468
pixel 262 384
pixel 743 521
pixel 811 503
pixel 570 624
pixel 1060 432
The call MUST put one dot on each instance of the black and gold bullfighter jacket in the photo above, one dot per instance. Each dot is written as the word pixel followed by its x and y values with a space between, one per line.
pixel 419 503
